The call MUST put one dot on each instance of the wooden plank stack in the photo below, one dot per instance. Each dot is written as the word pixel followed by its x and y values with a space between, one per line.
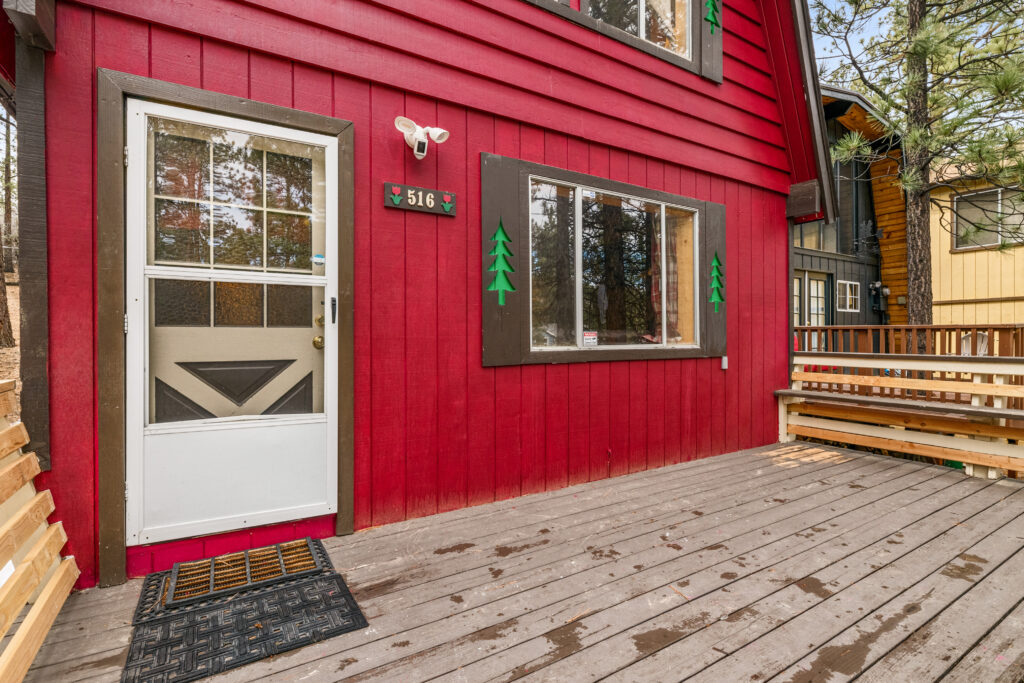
pixel 31 568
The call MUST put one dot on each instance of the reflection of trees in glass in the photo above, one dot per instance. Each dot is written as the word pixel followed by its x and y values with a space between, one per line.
pixel 288 241
pixel 289 182
pixel 623 14
pixel 237 174
pixel 182 231
pixel 237 304
pixel 662 22
pixel 181 166
pixel 237 236
pixel 553 240
pixel 620 268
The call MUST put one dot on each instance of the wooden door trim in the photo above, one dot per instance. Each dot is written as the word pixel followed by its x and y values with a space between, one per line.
pixel 112 90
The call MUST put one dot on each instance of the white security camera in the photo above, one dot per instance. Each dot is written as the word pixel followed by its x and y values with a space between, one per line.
pixel 416 136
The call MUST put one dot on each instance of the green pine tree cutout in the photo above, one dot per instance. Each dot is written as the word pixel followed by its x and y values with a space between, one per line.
pixel 712 16
pixel 717 283
pixel 500 266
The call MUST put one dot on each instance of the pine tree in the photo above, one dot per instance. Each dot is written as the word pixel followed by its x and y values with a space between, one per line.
pixel 947 78
pixel 712 15
pixel 717 283
pixel 500 265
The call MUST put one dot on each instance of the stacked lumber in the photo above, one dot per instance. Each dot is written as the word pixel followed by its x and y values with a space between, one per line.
pixel 32 572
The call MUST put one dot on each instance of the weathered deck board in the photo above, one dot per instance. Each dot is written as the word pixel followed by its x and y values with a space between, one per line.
pixel 787 561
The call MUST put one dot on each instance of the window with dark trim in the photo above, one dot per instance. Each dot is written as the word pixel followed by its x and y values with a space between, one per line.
pixel 687 33
pixel 580 268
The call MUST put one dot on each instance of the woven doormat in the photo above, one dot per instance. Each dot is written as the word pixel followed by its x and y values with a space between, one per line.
pixel 199 639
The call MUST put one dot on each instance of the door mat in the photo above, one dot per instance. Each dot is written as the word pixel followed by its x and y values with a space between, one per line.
pixel 204 579
pixel 221 632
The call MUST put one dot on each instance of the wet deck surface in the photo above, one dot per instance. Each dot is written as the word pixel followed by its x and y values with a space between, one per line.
pixel 789 563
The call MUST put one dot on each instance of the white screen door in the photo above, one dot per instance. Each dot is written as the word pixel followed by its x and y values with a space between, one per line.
pixel 231 333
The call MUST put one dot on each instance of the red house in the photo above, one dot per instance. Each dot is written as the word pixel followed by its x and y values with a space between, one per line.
pixel 303 268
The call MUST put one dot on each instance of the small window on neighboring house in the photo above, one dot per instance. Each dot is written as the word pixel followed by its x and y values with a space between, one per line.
pixel 581 268
pixel 848 296
pixel 989 218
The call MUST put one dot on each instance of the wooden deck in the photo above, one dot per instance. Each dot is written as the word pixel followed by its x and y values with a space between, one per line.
pixel 791 563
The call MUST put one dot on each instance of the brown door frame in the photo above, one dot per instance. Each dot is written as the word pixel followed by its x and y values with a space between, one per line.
pixel 112 90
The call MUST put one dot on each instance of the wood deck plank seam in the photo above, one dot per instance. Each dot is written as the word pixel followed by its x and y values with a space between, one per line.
pixel 750 551
pixel 979 582
pixel 542 498
pixel 744 553
pixel 548 604
pixel 857 463
pixel 473 522
pixel 658 522
pixel 132 598
pixel 1019 494
pixel 698 500
pixel 739 607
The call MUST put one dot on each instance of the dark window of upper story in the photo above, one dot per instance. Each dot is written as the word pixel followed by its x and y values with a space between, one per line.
pixel 854 231
pixel 687 33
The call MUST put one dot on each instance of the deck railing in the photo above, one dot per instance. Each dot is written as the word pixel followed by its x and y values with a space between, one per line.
pixel 939 340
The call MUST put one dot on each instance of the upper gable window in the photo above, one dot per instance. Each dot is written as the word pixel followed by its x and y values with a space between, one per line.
pixel 662 22
pixel 687 33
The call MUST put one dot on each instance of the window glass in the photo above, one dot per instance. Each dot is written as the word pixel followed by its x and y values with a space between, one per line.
pixel 1013 216
pixel 848 296
pixel 977 217
pixel 621 269
pixel 828 237
pixel 622 14
pixel 553 263
pixel 241 331
pixel 845 184
pixel 798 285
pixel 222 198
pixel 635 263
pixel 664 23
pixel 812 235
pixel 679 250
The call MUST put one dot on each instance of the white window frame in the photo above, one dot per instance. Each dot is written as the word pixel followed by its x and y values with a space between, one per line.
pixel 578 284
pixel 843 296
pixel 1000 239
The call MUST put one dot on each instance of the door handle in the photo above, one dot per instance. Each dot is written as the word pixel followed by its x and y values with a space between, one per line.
pixel 334 310
pixel 318 342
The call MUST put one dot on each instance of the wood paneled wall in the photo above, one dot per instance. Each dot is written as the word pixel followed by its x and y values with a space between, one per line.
pixel 891 218
pixel 434 430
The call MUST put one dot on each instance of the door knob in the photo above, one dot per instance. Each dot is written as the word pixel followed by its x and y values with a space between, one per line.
pixel 318 342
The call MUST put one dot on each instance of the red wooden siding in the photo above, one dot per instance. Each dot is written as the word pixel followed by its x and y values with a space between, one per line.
pixel 434 430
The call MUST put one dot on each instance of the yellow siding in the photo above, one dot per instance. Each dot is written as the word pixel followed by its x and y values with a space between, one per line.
pixel 990 282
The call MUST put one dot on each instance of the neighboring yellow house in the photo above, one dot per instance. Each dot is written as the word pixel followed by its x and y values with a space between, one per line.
pixel 974 281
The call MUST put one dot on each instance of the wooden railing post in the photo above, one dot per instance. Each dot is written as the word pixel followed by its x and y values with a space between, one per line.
pixel 784 435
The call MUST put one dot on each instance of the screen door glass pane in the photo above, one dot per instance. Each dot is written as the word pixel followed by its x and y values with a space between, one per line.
pixel 242 334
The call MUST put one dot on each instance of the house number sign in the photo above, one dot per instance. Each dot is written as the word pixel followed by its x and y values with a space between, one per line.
pixel 419 199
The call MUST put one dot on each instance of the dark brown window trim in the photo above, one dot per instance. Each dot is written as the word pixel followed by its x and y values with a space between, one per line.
pixel 112 90
pixel 706 57
pixel 506 329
